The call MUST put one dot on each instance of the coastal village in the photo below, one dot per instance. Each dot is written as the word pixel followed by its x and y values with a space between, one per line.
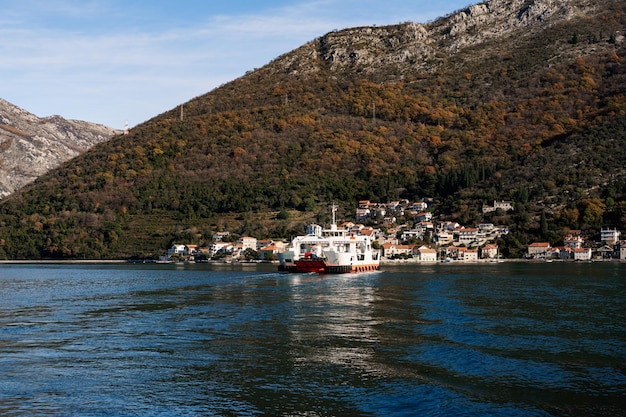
pixel 424 241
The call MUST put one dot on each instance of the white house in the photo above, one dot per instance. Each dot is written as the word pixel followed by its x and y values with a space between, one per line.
pixel 413 233
pixel 538 249
pixel 582 254
pixel 573 241
pixel 369 231
pixel 177 249
pixel 392 250
pixel 503 205
pixel 418 232
pixel 247 242
pixel 271 249
pixel 468 235
pixel 362 214
pixel 426 254
pixel 444 238
pixel 220 247
pixel 396 207
pixel 489 251
pixel 424 216
pixel 418 206
pixel 609 236
pixel 448 226
pixel 471 255
pixel 191 250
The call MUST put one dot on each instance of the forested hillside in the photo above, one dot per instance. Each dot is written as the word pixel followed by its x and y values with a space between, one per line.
pixel 536 116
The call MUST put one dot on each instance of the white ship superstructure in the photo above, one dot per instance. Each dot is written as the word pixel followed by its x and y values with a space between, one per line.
pixel 331 250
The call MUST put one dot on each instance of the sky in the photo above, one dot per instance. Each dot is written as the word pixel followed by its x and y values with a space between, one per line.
pixel 126 61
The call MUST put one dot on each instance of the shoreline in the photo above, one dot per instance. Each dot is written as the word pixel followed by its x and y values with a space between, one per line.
pixel 64 261
pixel 493 261
pixel 386 262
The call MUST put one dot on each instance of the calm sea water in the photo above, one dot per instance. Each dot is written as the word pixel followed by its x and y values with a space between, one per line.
pixel 508 339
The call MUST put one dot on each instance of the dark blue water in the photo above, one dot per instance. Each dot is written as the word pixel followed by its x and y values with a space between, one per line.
pixel 508 339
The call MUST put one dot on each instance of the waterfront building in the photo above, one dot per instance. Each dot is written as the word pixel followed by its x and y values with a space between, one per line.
pixel 609 236
pixel 538 250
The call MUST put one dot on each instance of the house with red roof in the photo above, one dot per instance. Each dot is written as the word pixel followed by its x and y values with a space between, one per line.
pixel 538 250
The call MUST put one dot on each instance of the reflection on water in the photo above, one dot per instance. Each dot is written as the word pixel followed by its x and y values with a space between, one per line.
pixel 502 339
pixel 332 321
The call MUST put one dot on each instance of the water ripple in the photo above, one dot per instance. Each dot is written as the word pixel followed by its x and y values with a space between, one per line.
pixel 508 340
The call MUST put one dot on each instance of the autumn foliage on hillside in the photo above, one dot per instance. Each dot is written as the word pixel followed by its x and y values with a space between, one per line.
pixel 523 123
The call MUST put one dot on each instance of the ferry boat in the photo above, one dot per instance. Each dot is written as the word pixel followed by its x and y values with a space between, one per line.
pixel 330 251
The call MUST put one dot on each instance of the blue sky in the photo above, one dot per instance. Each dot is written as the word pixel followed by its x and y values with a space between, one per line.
pixel 111 61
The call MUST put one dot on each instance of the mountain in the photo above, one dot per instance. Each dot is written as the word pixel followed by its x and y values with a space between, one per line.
pixel 31 146
pixel 521 100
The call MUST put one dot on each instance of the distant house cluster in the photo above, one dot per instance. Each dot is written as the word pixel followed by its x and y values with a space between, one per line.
pixel 576 248
pixel 447 240
pixel 245 247
pixel 421 239
pixel 389 212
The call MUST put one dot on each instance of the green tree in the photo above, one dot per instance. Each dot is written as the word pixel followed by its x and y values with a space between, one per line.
pixel 250 254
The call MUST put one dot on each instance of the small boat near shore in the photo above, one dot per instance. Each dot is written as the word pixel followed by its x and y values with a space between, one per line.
pixel 330 251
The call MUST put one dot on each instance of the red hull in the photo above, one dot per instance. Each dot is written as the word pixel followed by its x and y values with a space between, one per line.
pixel 310 265
pixel 321 267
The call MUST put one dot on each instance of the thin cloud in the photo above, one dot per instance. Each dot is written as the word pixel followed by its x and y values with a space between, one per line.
pixel 105 62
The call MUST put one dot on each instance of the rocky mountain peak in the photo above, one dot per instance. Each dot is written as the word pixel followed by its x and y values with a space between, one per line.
pixel 30 146
pixel 412 46
pixel 497 18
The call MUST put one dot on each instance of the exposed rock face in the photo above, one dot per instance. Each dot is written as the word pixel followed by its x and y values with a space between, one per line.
pixel 412 46
pixel 30 146
pixel 496 18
